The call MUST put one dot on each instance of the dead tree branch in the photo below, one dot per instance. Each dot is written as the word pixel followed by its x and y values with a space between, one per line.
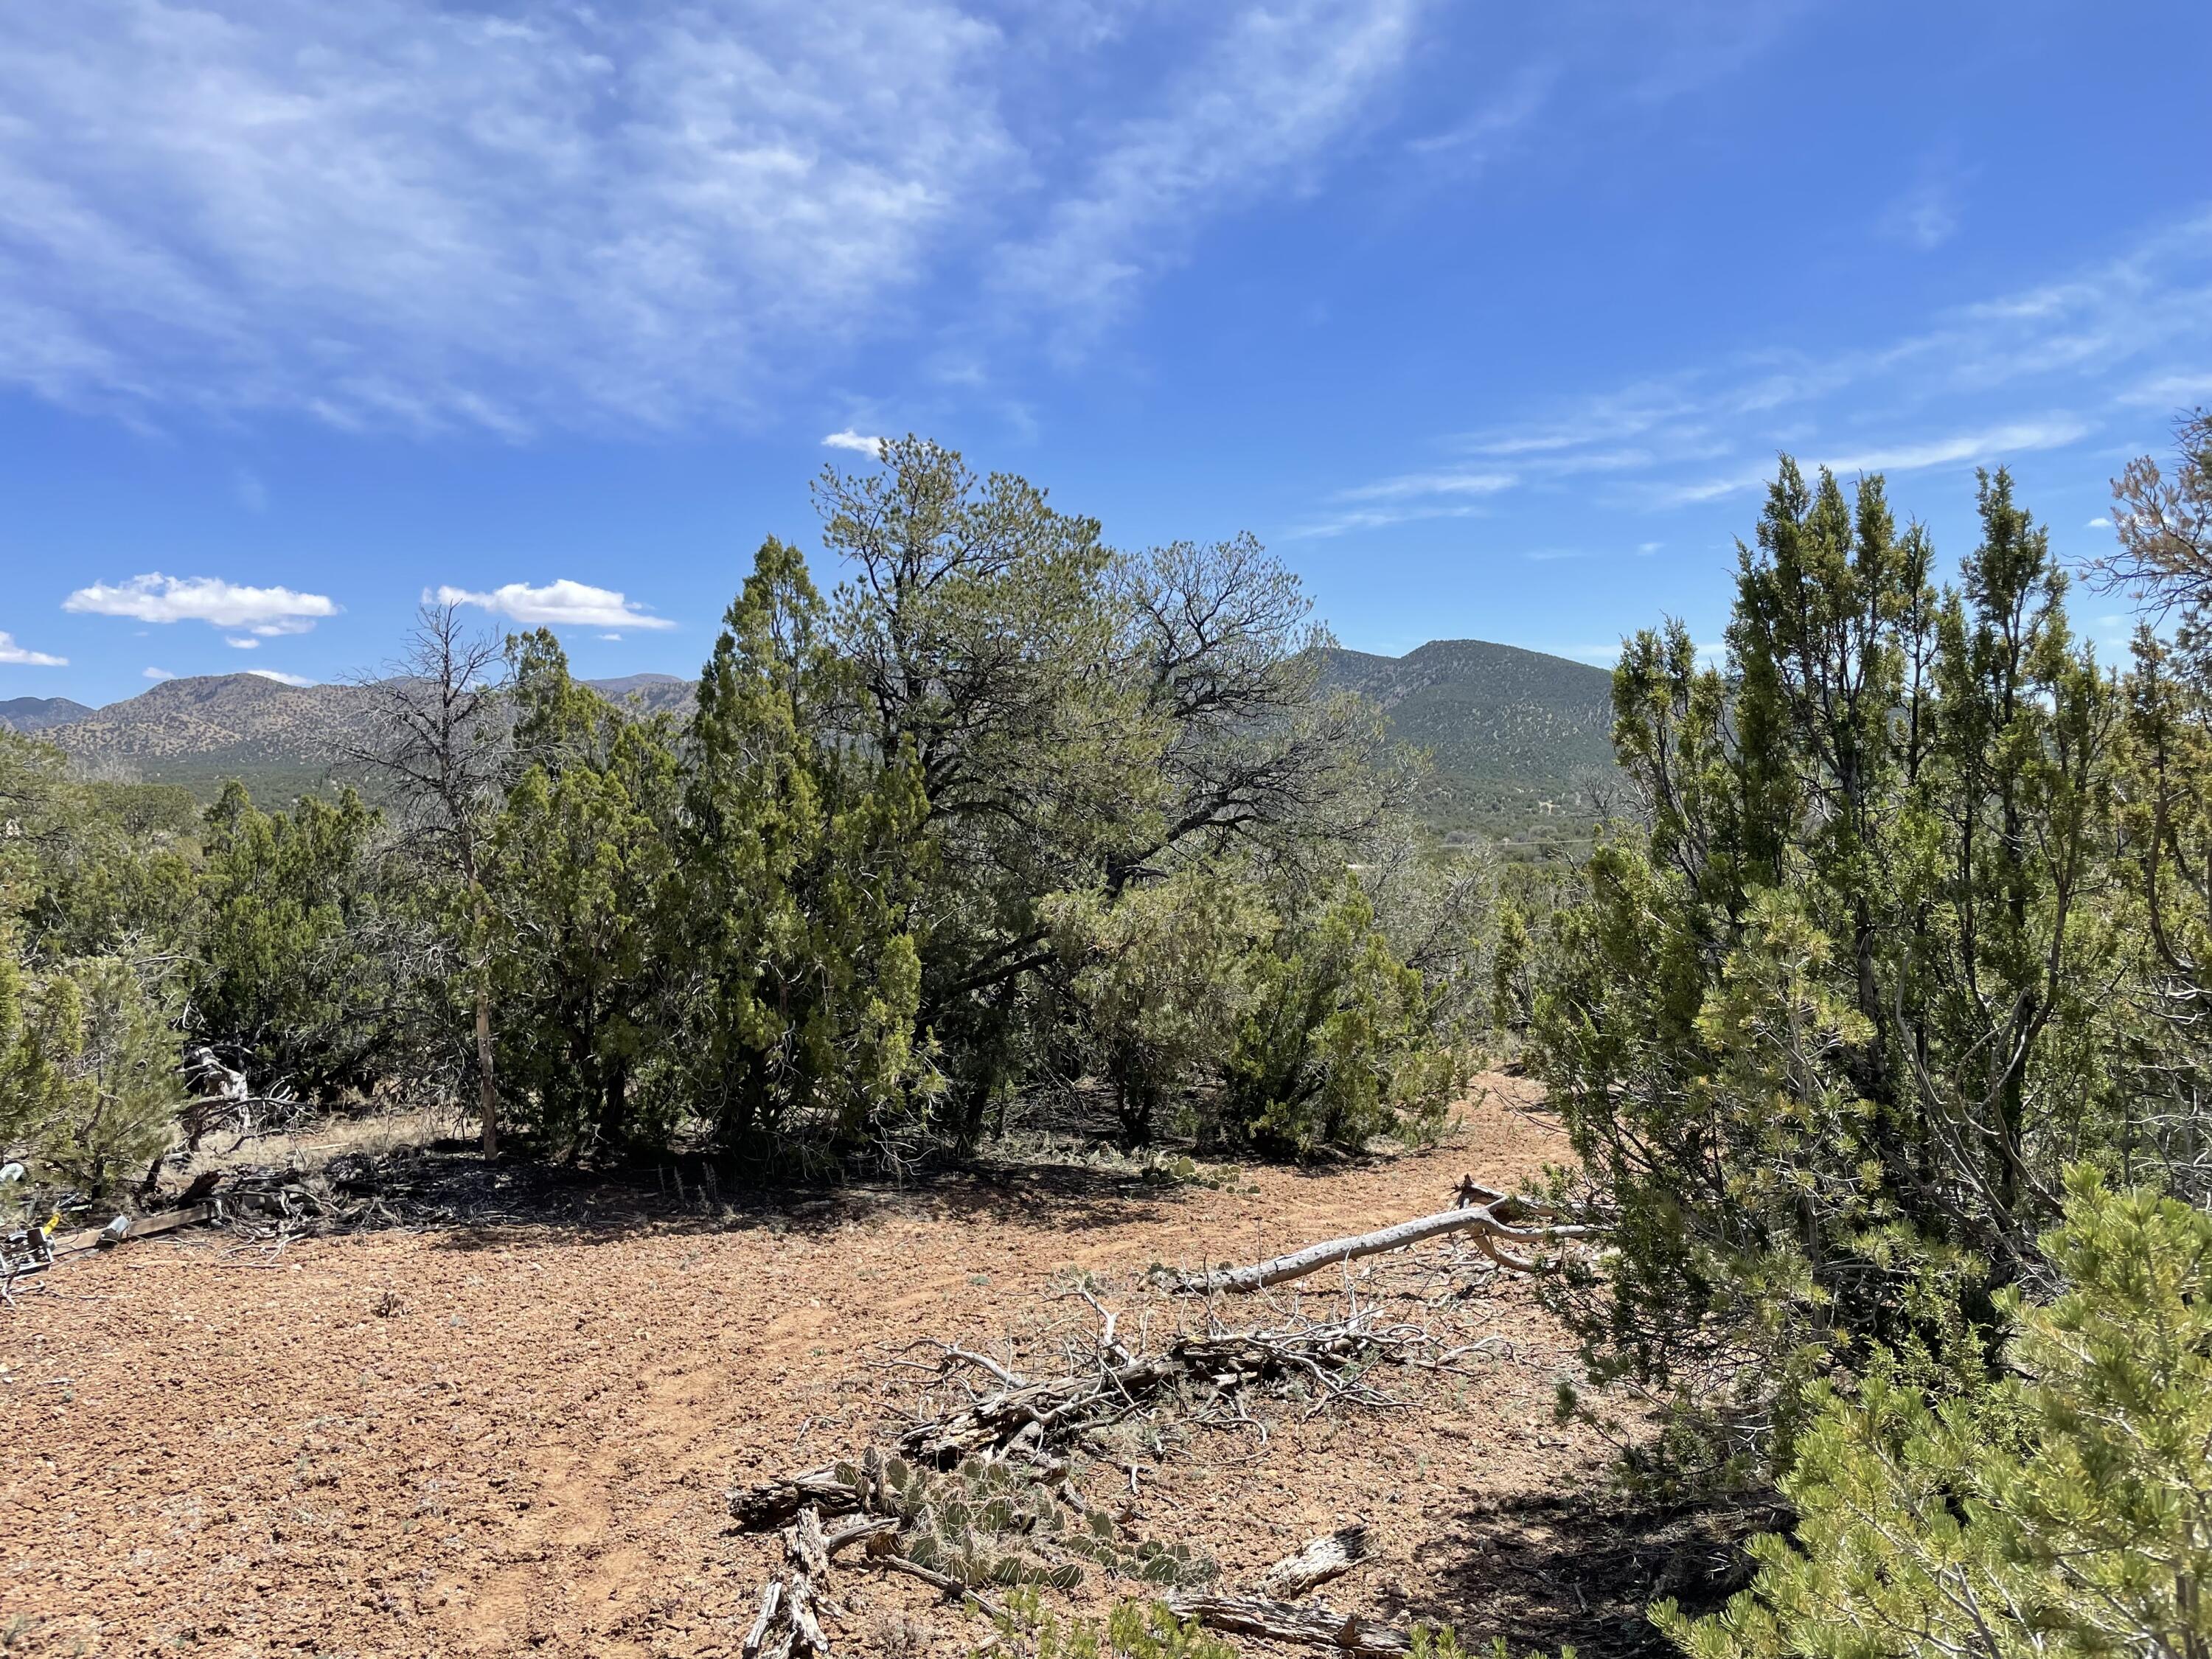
pixel 1492 1217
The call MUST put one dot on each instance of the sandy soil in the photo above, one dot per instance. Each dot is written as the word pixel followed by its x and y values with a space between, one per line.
pixel 518 1439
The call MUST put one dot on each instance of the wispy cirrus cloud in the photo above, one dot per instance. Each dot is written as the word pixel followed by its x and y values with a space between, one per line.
pixel 1471 143
pixel 23 657
pixel 1256 107
pixel 155 598
pixel 1942 396
pixel 562 604
pixel 1374 518
pixel 1450 482
pixel 402 216
pixel 1990 447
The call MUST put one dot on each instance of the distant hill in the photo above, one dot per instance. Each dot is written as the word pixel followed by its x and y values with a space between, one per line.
pixel 1522 742
pixel 279 738
pixel 37 713
pixel 654 694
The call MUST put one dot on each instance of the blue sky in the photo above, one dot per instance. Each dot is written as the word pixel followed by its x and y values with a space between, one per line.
pixel 1488 319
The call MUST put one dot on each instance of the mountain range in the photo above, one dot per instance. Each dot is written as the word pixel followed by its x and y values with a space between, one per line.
pixel 198 732
pixel 1520 740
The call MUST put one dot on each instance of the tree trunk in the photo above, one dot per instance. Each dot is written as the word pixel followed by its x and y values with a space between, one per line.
pixel 487 1089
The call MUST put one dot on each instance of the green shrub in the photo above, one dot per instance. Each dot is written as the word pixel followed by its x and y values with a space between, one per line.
pixel 1337 1043
pixel 1135 1630
pixel 88 1085
pixel 2066 1510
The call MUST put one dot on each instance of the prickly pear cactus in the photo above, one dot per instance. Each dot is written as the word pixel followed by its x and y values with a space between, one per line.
pixel 998 1524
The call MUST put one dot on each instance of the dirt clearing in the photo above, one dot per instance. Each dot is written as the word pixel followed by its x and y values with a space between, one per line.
pixel 519 1439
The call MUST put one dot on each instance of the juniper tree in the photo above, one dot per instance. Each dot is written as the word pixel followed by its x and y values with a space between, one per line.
pixel 286 976
pixel 801 861
pixel 579 869
pixel 1825 1031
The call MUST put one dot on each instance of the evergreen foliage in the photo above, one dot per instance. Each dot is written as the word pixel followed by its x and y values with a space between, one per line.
pixel 2065 1510
pixel 804 853
pixel 1827 1034
pixel 288 981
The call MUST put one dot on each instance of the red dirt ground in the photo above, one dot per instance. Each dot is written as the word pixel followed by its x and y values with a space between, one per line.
pixel 520 1440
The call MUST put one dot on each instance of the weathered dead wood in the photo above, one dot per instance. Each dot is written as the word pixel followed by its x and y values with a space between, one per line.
pixel 860 1528
pixel 1495 1219
pixel 1007 1422
pixel 1319 1561
pixel 1279 1621
pixel 1056 1410
pixel 144 1226
pixel 772 1503
pixel 786 1627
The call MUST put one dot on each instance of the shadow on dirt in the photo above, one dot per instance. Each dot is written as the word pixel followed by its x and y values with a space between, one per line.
pixel 1580 1568
pixel 448 1187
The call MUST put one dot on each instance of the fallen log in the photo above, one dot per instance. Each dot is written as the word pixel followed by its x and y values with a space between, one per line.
pixel 1488 1222
pixel 129 1227
pixel 1279 1621
pixel 1319 1561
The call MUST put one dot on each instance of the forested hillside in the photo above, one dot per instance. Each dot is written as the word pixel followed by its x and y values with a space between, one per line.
pixel 1520 742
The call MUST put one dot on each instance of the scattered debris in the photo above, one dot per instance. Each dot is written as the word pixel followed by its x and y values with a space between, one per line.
pixel 983 1491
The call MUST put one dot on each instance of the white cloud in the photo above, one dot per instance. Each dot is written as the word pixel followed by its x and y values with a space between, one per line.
pixel 159 674
pixel 1257 106
pixel 1927 215
pixel 562 604
pixel 405 215
pixel 242 642
pixel 402 215
pixel 2171 390
pixel 1991 447
pixel 1431 483
pixel 851 439
pixel 22 657
pixel 1373 518
pixel 154 598
pixel 280 676
pixel 1474 143
pixel 2098 523
pixel 617 638
pixel 1649 547
pixel 2082 347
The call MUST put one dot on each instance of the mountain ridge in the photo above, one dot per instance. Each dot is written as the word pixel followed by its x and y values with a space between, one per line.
pixel 1520 740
